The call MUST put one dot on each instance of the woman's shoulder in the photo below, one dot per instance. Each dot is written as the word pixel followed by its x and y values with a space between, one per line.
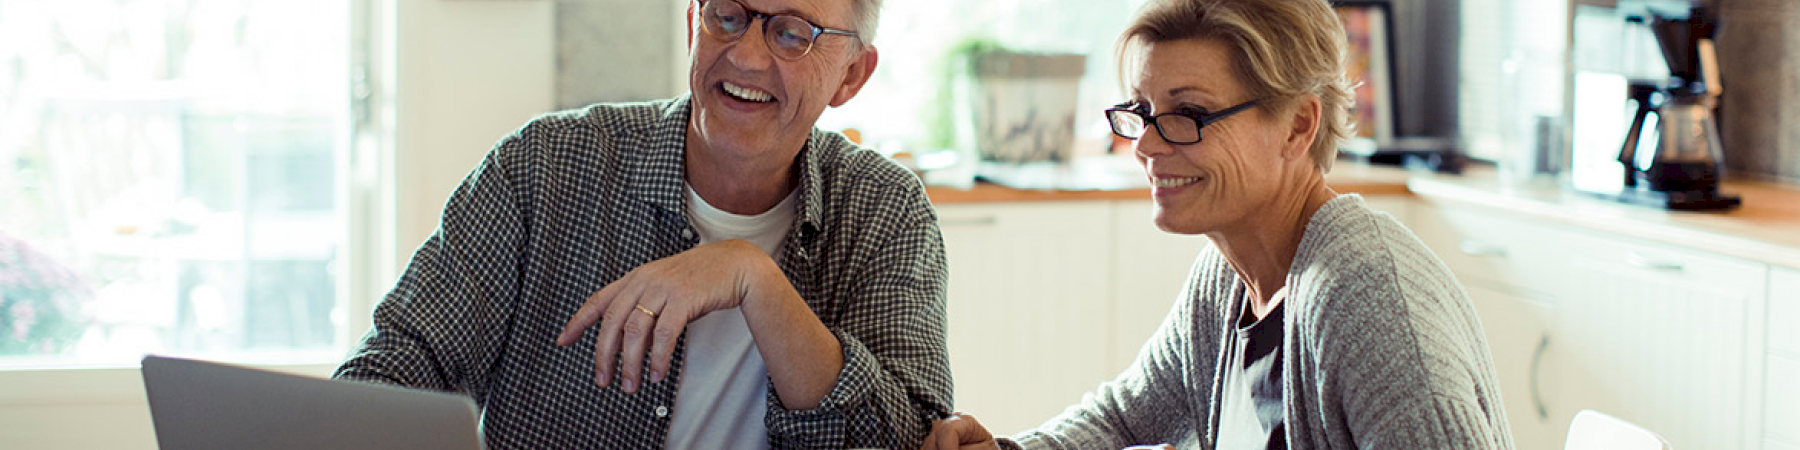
pixel 1353 251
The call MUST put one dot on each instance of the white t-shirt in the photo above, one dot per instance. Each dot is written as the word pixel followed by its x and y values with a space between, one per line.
pixel 722 397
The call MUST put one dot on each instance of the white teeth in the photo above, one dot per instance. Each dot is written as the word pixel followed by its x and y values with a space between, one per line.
pixel 1176 182
pixel 747 94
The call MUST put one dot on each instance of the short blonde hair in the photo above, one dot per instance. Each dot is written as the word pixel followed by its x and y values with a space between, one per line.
pixel 1280 50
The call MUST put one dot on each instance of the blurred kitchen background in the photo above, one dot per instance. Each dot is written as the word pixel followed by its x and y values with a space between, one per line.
pixel 242 180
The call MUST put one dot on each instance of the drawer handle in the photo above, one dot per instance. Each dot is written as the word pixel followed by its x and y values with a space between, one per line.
pixel 1640 261
pixel 1537 395
pixel 968 221
pixel 1473 247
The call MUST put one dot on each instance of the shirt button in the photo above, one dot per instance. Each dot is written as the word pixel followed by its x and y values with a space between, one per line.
pixel 687 233
pixel 662 411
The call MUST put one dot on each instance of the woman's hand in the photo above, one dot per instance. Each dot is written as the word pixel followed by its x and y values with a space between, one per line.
pixel 960 431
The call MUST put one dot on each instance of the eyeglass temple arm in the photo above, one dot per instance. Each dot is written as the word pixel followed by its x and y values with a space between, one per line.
pixel 1221 115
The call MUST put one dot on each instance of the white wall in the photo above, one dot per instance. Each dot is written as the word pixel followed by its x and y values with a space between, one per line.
pixel 469 72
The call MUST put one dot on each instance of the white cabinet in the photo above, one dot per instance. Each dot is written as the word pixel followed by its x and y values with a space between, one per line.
pixel 1518 332
pixel 1501 263
pixel 1781 404
pixel 1151 270
pixel 1028 307
pixel 1666 337
pixel 1048 300
pixel 1784 312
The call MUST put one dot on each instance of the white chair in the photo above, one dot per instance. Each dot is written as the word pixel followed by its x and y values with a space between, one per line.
pixel 1592 430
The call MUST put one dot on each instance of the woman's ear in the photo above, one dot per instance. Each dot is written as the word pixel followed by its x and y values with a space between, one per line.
pixel 1304 128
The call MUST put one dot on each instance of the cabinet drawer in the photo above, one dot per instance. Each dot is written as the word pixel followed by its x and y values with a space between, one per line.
pixel 1782 400
pixel 1784 312
pixel 1667 337
pixel 1484 247
pixel 1587 252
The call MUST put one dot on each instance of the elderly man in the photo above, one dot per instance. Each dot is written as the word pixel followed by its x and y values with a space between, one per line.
pixel 704 272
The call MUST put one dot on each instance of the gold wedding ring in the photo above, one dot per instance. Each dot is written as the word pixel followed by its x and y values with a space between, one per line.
pixel 647 311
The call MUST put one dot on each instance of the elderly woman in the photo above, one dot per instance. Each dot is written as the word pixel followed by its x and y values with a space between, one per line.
pixel 1312 321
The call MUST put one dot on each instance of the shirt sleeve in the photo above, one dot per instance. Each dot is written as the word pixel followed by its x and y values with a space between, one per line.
pixel 441 325
pixel 1150 403
pixel 895 379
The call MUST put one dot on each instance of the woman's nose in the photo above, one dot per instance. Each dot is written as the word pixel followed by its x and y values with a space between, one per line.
pixel 1151 144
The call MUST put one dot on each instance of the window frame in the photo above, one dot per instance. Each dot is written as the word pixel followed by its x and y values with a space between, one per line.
pixel 368 195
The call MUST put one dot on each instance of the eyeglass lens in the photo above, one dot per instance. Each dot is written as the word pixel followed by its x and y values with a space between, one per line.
pixel 788 36
pixel 1176 128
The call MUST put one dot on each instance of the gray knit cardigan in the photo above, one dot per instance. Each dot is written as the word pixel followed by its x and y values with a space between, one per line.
pixel 1382 350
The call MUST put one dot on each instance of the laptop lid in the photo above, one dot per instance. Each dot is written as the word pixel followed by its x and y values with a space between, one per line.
pixel 204 405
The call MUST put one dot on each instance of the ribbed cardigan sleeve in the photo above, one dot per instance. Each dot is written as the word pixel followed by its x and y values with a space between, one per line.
pixel 1164 396
pixel 1386 350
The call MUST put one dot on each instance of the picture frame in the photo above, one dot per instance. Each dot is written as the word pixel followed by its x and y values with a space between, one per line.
pixel 1370 61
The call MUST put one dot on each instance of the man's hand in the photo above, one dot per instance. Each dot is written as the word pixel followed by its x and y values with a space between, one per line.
pixel 647 309
pixel 960 431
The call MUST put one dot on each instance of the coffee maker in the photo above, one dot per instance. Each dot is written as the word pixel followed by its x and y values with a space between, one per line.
pixel 1671 149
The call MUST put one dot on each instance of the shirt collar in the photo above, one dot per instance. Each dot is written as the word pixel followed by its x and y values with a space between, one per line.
pixel 655 164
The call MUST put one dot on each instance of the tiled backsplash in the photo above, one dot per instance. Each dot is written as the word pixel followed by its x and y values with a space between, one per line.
pixel 618 50
pixel 1759 59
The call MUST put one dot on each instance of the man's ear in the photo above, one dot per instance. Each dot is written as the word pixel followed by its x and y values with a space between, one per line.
pixel 1305 128
pixel 690 27
pixel 856 76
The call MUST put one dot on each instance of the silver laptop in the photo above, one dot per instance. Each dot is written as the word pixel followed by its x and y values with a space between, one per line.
pixel 205 405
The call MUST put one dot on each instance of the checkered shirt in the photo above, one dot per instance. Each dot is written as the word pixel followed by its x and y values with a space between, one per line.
pixel 574 200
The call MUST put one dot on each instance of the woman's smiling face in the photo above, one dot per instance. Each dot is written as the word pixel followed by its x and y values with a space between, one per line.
pixel 1204 186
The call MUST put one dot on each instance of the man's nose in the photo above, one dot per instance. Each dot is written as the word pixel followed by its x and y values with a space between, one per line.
pixel 751 52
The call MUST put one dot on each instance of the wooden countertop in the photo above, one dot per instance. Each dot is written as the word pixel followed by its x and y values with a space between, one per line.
pixel 1766 228
pixel 1345 178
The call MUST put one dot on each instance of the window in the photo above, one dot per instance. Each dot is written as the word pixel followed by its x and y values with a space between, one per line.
pixel 895 110
pixel 173 179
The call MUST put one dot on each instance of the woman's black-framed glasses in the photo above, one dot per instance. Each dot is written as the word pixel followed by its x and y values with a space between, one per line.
pixel 1181 127
pixel 789 37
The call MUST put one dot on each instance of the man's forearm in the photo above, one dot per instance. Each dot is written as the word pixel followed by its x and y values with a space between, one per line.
pixel 803 357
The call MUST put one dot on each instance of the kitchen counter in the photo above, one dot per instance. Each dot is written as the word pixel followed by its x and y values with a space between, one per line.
pixel 1345 177
pixel 1766 228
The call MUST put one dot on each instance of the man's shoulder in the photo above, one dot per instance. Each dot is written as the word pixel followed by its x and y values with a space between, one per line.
pixel 843 161
pixel 602 118
pixel 633 114
pixel 592 131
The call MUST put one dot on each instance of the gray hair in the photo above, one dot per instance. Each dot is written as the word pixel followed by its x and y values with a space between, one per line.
pixel 866 15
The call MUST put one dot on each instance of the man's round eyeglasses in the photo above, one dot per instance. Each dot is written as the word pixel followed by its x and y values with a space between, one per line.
pixel 789 37
pixel 1181 127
